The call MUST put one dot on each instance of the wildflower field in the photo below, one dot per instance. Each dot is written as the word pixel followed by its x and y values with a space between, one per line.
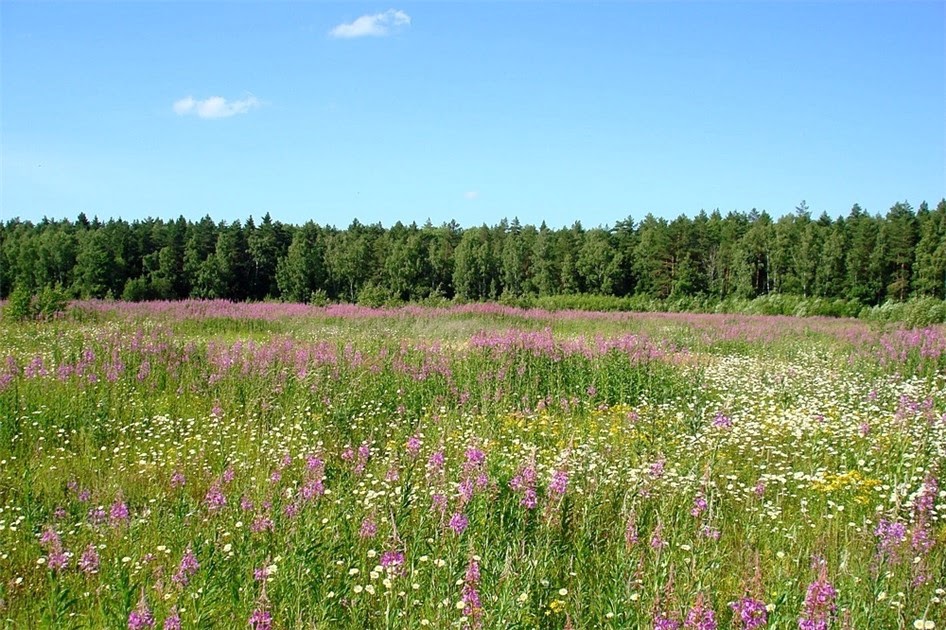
pixel 207 464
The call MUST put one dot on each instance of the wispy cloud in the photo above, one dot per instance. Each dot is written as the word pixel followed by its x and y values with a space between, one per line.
pixel 472 195
pixel 214 106
pixel 374 25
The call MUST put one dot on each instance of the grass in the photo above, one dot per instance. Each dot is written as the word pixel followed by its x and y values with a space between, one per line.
pixel 469 467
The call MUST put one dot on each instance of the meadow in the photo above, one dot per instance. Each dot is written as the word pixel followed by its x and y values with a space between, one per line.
pixel 206 464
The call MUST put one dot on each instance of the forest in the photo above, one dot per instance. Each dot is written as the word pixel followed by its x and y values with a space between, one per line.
pixel 861 259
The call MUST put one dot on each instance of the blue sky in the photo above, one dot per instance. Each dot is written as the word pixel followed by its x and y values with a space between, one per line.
pixel 474 112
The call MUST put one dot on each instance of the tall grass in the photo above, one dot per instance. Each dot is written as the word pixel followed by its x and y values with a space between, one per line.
pixel 219 465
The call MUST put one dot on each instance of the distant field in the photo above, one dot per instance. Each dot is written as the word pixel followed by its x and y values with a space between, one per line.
pixel 206 464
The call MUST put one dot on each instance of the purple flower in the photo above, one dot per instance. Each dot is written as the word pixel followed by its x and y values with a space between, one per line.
pixel 890 534
pixel 262 523
pixel 656 539
pixel 472 572
pixel 722 421
pixel 89 562
pixel 261 619
pixel 173 620
pixel 438 502
pixel 413 445
pixel 699 505
pixel 664 621
pixel 559 483
pixel 924 503
pixel 215 499
pixel 435 461
pixel 529 499
pixel 119 511
pixel 261 574
pixel 141 617
pixel 749 613
pixel 819 606
pixel 58 559
pixel 473 608
pixel 186 568
pixel 466 490
pixel 313 489
pixel 177 479
pixel 228 475
pixel 50 537
pixel 631 536
pixel 701 616
pixel 368 528
pixel 459 522
pixel 709 532
pixel 474 458
pixel 97 515
pixel 392 560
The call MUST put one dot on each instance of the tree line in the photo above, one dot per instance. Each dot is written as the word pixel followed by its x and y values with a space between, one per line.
pixel 861 257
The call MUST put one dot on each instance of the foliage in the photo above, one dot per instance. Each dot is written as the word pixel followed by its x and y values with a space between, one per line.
pixel 740 262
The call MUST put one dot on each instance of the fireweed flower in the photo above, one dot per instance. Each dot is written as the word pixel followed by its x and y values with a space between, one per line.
pixel 173 620
pixel 473 608
pixel 187 567
pixel 413 445
pixel 701 616
pixel 722 421
pixel 666 621
pixel 559 483
pixel 118 512
pixel 760 489
pixel 710 532
pixel 392 561
pixel 438 502
pixel 924 502
pixel 459 523
pixel 228 475
pixel 435 462
pixel 631 536
pixel 475 458
pixel 141 617
pixel 819 607
pixel 313 489
pixel 368 528
pixel 215 499
pixel 656 538
pixel 890 534
pixel 89 561
pixel 261 619
pixel 261 574
pixel 314 463
pixel 177 480
pixel 699 505
pixel 749 613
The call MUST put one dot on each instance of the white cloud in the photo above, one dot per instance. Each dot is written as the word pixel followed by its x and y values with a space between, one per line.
pixel 214 106
pixel 472 195
pixel 375 25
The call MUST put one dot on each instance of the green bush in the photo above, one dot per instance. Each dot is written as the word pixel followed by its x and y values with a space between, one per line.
pixel 19 305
